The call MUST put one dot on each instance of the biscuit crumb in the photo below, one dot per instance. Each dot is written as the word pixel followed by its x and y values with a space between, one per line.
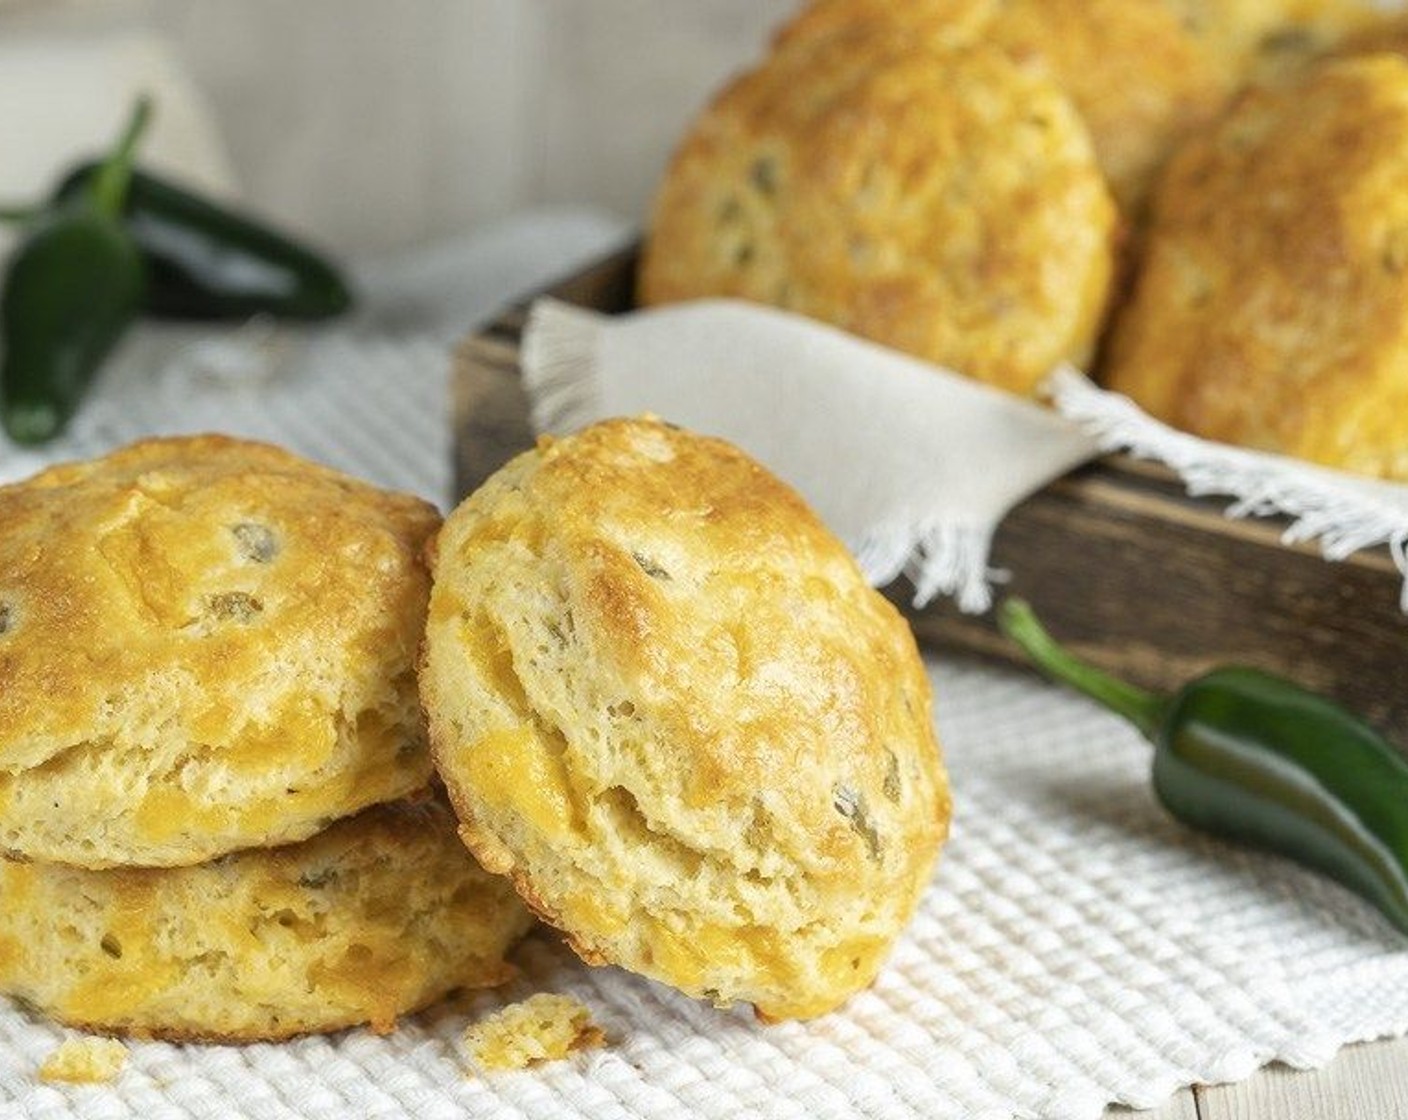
pixel 85 1061
pixel 542 1028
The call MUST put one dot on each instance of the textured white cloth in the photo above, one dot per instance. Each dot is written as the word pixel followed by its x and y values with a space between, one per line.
pixel 1076 948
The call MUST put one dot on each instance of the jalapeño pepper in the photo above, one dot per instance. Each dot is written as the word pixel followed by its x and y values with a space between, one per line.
pixel 206 261
pixel 73 287
pixel 1251 757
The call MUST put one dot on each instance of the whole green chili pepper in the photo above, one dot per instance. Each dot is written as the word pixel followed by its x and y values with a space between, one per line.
pixel 73 287
pixel 1255 758
pixel 206 261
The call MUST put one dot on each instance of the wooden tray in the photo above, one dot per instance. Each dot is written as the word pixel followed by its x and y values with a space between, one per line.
pixel 1118 560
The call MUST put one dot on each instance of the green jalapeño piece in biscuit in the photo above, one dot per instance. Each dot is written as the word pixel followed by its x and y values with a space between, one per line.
pixel 379 915
pixel 666 704
pixel 205 644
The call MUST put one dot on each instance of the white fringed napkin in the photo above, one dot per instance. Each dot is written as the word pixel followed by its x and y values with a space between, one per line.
pixel 912 465
pixel 913 471
pixel 1339 512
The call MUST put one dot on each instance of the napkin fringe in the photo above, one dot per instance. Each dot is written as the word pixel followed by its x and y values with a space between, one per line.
pixel 1341 516
pixel 938 557
pixel 560 353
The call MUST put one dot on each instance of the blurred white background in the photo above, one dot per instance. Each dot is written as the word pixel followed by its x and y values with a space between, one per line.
pixel 374 125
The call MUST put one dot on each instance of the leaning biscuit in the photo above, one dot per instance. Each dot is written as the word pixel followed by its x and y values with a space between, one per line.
pixel 1139 77
pixel 376 917
pixel 944 203
pixel 205 644
pixel 666 704
pixel 1272 307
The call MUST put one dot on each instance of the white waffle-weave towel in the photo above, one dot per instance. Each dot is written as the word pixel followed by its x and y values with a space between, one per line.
pixel 1076 948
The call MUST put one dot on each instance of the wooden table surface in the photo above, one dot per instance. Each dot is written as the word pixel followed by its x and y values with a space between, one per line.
pixel 1367 1082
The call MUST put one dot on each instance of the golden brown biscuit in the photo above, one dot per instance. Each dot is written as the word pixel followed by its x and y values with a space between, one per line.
pixel 1272 306
pixel 943 203
pixel 1140 79
pixel 205 644
pixel 378 916
pixel 666 704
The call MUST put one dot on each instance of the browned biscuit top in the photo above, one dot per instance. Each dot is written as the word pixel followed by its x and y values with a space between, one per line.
pixel 1140 77
pixel 205 643
pixel 1272 40
pixel 1270 308
pixel 944 203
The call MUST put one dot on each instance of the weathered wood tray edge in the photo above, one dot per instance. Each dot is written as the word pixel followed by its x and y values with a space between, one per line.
pixel 1120 562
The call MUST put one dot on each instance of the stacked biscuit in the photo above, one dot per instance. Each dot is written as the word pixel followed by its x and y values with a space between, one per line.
pixel 214 800
pixel 669 712
pixel 1003 185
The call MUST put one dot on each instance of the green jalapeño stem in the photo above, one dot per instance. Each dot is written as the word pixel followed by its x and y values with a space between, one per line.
pixel 1142 708
pixel 1255 758
pixel 114 176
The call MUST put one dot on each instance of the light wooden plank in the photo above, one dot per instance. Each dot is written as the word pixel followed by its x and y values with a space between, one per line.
pixel 1179 1107
pixel 1368 1082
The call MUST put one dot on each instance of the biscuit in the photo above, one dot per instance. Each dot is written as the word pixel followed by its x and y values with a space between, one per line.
pixel 379 915
pixel 205 644
pixel 946 204
pixel 85 1061
pixel 543 1028
pixel 1271 309
pixel 1137 75
pixel 666 704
